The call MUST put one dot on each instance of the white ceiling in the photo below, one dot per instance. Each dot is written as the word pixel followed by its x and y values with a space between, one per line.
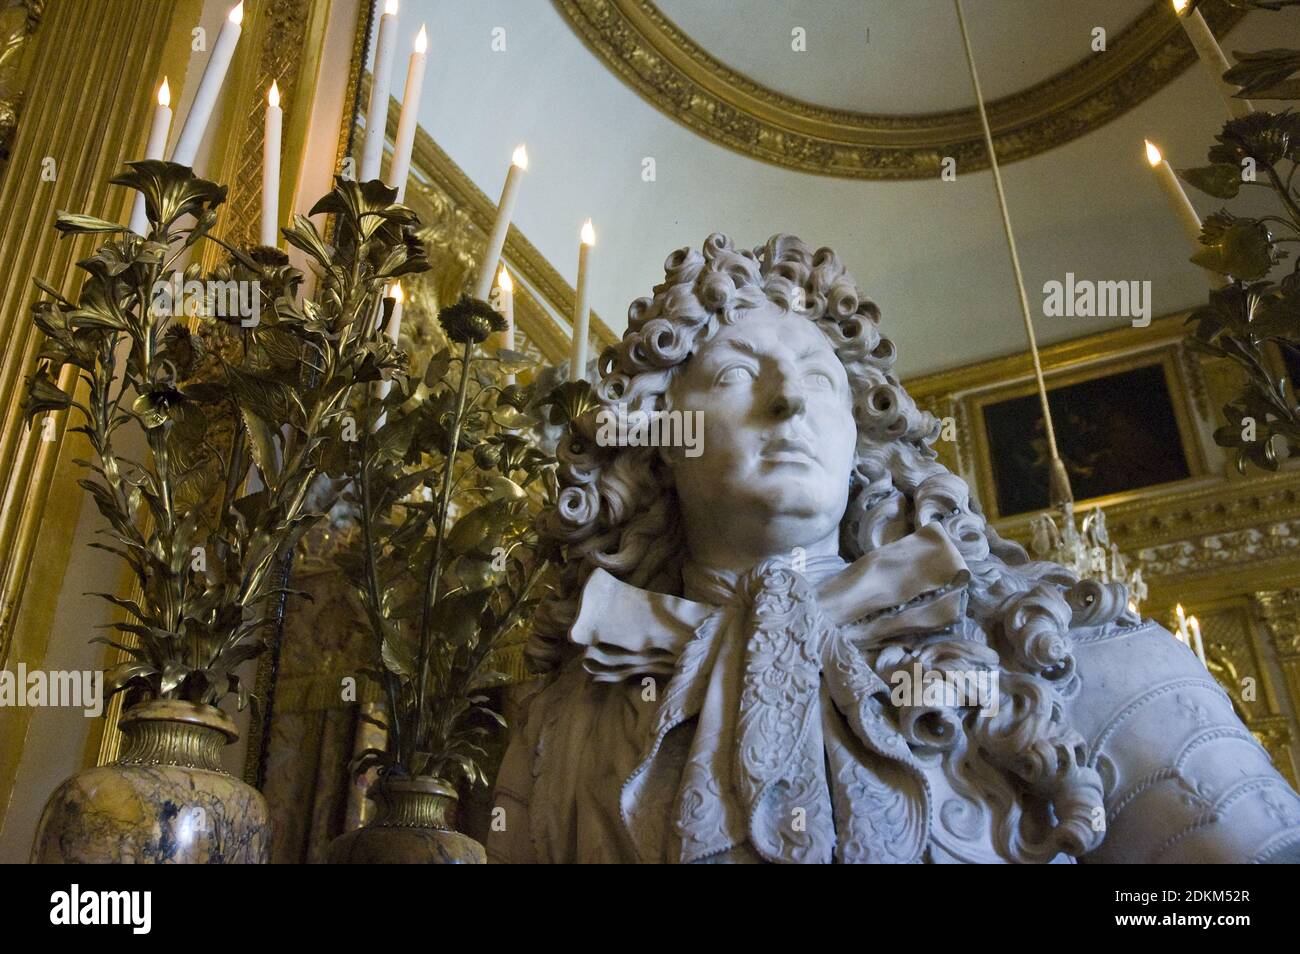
pixel 930 253
pixel 858 50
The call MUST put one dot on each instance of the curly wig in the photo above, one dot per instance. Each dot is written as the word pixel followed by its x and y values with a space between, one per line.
pixel 617 510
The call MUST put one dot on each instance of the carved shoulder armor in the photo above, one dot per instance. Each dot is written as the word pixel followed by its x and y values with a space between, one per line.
pixel 1185 781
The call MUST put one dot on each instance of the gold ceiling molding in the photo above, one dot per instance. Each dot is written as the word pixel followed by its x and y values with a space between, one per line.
pixel 653 56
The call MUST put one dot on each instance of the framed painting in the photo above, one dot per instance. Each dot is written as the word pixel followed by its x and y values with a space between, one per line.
pixel 1119 429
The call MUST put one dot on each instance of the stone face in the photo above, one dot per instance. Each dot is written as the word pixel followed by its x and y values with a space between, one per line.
pixel 779 442
pixel 805 644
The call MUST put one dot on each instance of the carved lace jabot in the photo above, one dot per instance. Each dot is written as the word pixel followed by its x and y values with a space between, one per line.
pixel 626 631
pixel 705 584
pixel 790 753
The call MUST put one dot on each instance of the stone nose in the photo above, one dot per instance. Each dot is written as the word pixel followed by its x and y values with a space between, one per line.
pixel 787 403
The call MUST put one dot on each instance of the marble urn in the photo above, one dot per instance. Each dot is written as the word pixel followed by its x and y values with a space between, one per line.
pixel 166 800
pixel 415 826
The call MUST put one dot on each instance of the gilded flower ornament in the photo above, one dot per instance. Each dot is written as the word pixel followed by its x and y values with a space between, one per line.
pixel 470 321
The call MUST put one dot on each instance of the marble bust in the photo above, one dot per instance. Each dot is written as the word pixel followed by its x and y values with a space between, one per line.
pixel 739 657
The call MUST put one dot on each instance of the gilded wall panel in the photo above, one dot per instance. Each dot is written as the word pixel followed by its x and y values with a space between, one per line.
pixel 86 111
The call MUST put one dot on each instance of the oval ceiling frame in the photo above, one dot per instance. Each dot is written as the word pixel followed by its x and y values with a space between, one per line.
pixel 651 54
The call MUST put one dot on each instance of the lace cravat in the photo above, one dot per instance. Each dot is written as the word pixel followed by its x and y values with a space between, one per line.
pixel 770 735
pixel 755 771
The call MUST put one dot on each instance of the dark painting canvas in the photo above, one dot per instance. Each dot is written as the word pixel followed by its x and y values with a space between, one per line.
pixel 1114 433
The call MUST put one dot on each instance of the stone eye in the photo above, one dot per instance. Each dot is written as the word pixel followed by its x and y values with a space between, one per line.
pixel 819 380
pixel 736 374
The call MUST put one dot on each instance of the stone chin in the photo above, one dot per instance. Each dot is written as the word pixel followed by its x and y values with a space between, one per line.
pixel 800 508
pixel 803 493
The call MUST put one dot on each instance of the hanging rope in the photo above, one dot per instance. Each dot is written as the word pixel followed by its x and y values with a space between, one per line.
pixel 1058 480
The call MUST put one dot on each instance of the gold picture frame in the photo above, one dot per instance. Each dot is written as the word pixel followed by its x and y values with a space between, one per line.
pixel 1175 372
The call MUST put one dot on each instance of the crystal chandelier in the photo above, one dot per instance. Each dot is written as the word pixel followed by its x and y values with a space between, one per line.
pixel 1086 549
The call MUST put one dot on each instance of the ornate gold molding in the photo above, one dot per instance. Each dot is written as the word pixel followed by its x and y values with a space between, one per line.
pixel 357 83
pixel 19 21
pixel 653 56
pixel 1280 612
pixel 1062 357
pixel 1279 615
pixel 1214 528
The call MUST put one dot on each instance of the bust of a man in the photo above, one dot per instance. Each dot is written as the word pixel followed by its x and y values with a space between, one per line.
pixel 796 639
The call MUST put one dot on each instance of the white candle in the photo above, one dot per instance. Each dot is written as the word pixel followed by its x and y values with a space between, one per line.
pixel 508 313
pixel 505 209
pixel 271 168
pixel 155 148
pixel 507 287
pixel 1211 56
pixel 381 78
pixel 205 100
pixel 1195 625
pixel 400 170
pixel 393 329
pixel 582 304
pixel 1182 207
